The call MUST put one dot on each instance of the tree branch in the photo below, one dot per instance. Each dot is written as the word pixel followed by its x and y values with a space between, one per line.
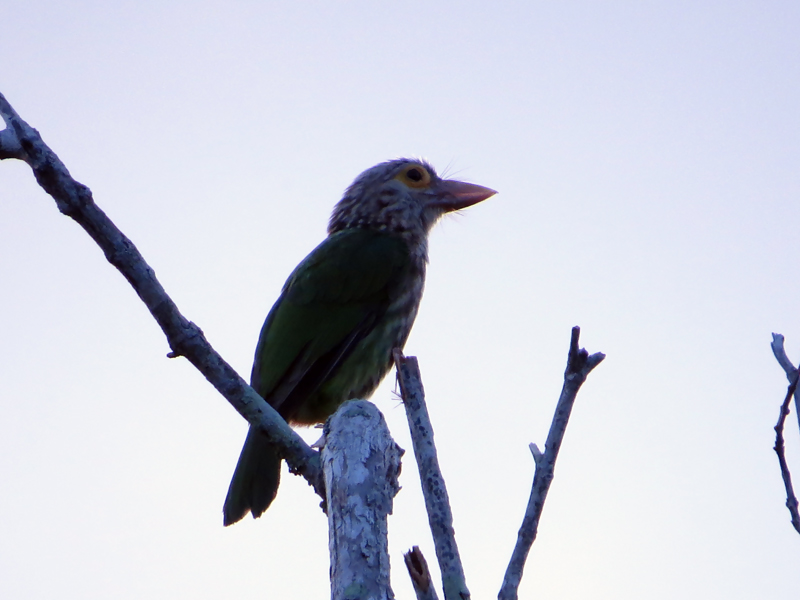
pixel 793 375
pixel 361 463
pixel 579 365
pixel 780 355
pixel 434 490
pixel 21 141
pixel 417 568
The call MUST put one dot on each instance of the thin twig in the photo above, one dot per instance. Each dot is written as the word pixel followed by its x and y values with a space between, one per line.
pixel 783 360
pixel 579 365
pixel 780 448
pixel 21 141
pixel 434 490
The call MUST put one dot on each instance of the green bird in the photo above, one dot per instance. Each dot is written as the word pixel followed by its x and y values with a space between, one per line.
pixel 330 335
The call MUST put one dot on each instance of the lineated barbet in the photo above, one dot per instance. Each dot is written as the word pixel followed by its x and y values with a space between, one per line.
pixel 347 305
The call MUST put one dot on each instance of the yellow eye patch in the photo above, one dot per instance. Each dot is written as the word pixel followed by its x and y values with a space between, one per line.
pixel 415 176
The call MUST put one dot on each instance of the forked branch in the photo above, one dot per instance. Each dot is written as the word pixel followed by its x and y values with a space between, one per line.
pixel 579 365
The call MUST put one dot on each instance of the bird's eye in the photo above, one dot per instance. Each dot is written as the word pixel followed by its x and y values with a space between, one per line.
pixel 415 176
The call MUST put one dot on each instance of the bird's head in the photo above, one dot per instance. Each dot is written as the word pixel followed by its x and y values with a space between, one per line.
pixel 404 196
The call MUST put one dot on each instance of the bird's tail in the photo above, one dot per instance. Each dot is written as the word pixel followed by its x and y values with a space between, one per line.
pixel 255 480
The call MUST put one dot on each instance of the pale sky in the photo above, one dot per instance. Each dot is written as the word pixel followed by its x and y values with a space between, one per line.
pixel 646 155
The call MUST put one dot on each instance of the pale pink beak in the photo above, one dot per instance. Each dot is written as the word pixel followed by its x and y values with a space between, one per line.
pixel 455 195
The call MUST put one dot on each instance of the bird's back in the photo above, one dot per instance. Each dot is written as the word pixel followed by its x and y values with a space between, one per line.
pixel 330 335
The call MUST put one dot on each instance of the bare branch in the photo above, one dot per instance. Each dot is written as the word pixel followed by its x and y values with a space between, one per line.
pixel 779 351
pixel 420 575
pixel 20 140
pixel 780 354
pixel 579 365
pixel 10 146
pixel 434 490
pixel 361 463
pixel 780 450
pixel 793 375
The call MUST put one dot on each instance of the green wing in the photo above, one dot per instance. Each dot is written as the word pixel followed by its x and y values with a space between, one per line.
pixel 332 300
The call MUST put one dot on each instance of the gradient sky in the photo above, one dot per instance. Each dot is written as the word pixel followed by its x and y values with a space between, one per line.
pixel 646 155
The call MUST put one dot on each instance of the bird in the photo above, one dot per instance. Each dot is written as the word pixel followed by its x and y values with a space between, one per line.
pixel 330 335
